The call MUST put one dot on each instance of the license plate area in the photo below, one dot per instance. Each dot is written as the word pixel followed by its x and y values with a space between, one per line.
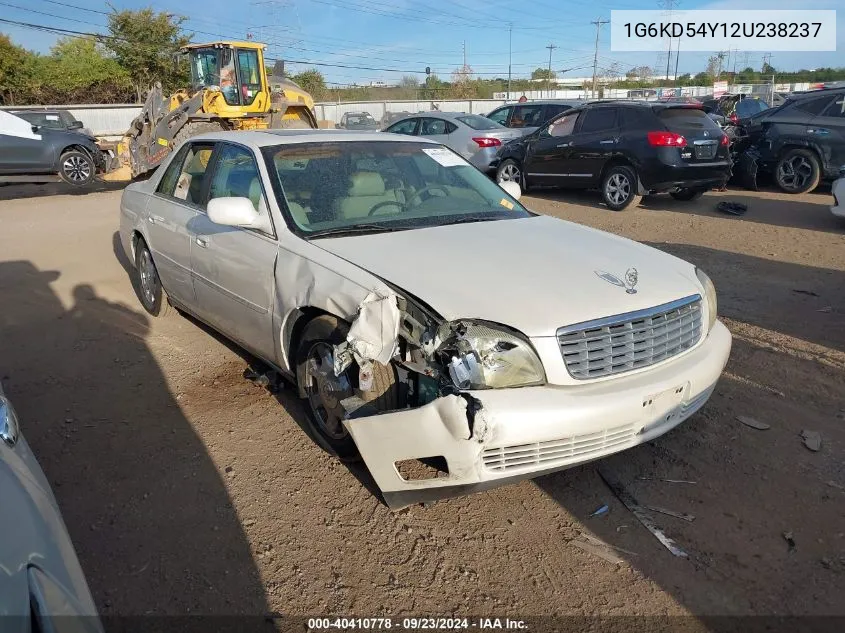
pixel 662 407
pixel 705 149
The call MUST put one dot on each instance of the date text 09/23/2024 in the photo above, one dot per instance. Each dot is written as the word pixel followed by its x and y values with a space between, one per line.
pixel 415 624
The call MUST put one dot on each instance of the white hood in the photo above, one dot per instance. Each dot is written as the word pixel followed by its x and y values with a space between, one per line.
pixel 533 274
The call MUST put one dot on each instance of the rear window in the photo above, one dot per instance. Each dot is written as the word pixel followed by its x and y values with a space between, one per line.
pixel 479 122
pixel 686 118
pixel 749 107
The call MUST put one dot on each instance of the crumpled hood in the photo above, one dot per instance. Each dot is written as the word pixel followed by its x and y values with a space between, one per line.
pixel 533 274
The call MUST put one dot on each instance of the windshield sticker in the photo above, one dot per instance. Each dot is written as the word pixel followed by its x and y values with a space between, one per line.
pixel 507 204
pixel 445 157
pixel 52 117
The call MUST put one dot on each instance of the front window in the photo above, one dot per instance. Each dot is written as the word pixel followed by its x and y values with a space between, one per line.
pixel 215 68
pixel 250 75
pixel 356 187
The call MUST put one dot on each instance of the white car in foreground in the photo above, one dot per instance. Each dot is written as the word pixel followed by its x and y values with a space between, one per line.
pixel 436 327
pixel 838 191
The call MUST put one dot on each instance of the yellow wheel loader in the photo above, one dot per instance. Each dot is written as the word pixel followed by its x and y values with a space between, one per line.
pixel 229 91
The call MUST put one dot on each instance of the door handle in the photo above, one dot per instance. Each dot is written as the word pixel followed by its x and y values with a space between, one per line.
pixel 569 144
pixel 818 130
pixel 202 242
pixel 155 218
pixel 609 141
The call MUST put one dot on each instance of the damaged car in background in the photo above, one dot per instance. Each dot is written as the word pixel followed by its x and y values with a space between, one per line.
pixel 798 144
pixel 434 326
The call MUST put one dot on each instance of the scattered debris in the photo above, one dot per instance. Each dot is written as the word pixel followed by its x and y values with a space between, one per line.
pixel 789 541
pixel 733 208
pixel 825 309
pixel 601 510
pixel 670 481
pixel 642 516
pixel 754 424
pixel 801 291
pixel 812 440
pixel 269 379
pixel 621 527
pixel 597 550
pixel 826 562
pixel 833 484
pixel 672 513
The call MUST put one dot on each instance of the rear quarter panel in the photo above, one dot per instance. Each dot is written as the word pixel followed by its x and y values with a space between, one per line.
pixel 133 215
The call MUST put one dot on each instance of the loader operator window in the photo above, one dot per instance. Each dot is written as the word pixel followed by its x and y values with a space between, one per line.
pixel 249 75
pixel 205 72
pixel 228 78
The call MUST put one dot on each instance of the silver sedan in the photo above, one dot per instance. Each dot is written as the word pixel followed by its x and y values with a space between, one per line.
pixel 474 137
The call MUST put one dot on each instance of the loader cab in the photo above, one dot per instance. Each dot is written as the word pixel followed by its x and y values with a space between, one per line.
pixel 236 69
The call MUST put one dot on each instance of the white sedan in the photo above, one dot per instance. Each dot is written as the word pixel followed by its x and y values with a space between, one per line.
pixel 434 326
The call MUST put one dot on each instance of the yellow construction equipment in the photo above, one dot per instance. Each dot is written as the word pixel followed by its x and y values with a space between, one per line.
pixel 229 90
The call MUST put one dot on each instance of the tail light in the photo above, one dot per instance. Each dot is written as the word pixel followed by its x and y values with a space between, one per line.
pixel 734 118
pixel 666 139
pixel 484 141
pixel 725 140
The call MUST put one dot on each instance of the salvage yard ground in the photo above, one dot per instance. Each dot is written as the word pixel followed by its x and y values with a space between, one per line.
pixel 188 489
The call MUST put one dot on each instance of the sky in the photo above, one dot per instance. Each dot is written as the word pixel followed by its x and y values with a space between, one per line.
pixel 387 39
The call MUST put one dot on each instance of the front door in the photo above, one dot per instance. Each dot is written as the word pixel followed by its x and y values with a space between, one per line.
pixel 234 268
pixel 548 152
pixel 178 199
pixel 22 150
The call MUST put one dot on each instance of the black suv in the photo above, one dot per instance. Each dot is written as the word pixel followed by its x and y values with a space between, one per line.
pixel 799 143
pixel 627 149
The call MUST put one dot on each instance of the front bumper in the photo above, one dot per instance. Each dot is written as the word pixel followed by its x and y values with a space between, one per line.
pixel 524 433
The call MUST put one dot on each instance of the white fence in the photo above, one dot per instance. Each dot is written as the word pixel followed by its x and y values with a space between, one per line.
pixel 327 111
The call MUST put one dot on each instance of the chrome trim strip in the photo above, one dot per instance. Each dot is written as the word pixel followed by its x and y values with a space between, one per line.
pixel 628 316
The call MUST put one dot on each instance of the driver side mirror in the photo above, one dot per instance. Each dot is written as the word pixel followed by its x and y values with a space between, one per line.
pixel 35 128
pixel 76 125
pixel 237 212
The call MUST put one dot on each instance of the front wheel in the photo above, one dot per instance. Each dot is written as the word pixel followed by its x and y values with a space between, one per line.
pixel 510 171
pixel 798 171
pixel 619 188
pixel 686 194
pixel 76 168
pixel 325 392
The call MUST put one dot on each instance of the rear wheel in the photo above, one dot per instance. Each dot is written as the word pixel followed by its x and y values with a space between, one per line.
pixel 324 391
pixel 619 188
pixel 76 168
pixel 798 171
pixel 686 194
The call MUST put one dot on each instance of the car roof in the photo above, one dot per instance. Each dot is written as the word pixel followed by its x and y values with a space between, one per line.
pixel 548 102
pixel 264 138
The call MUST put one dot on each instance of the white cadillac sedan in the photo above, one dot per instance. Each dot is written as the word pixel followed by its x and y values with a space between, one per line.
pixel 437 328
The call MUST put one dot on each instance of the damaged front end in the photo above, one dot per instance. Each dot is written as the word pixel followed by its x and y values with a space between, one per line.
pixel 435 433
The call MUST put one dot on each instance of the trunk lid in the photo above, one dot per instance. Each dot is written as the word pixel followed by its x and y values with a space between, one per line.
pixel 703 135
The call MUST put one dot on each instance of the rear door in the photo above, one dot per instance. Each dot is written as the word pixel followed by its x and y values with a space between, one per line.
pixel 547 153
pixel 178 199
pixel 703 135
pixel 234 268
pixel 595 141
pixel 829 131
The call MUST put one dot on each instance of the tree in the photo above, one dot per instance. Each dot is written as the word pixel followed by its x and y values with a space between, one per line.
pixel 714 66
pixel 702 79
pixel 17 73
pixel 409 81
pixel 543 73
pixel 768 69
pixel 639 73
pixel 312 81
pixel 78 69
pixel 146 43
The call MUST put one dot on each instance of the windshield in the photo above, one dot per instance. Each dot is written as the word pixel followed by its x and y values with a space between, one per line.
pixel 204 69
pixel 477 122
pixel 750 107
pixel 359 119
pixel 375 186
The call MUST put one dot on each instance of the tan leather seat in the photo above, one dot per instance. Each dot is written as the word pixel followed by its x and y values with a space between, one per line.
pixel 366 190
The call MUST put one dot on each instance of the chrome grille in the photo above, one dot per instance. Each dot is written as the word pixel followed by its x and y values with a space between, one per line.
pixel 625 342
pixel 558 452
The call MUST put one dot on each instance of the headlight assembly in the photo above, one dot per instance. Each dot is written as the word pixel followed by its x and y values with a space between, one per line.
pixel 709 297
pixel 491 358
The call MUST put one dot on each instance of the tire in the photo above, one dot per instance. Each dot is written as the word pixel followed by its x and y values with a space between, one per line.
pixel 77 168
pixel 148 284
pixel 686 194
pixel 619 188
pixel 798 171
pixel 510 171
pixel 194 128
pixel 325 413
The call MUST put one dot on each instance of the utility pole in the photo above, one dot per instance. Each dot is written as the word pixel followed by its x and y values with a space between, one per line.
pixel 668 59
pixel 465 53
pixel 551 47
pixel 598 22
pixel 767 61
pixel 677 56
pixel 510 51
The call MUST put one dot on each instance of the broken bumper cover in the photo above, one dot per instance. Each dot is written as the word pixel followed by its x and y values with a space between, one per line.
pixel 531 431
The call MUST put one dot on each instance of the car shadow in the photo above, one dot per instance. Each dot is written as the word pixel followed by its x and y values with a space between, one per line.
pixel 146 507
pixel 765 538
pixel 769 206
pixel 15 191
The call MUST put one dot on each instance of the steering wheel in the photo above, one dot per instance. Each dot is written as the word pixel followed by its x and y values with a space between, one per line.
pixel 418 195
pixel 395 203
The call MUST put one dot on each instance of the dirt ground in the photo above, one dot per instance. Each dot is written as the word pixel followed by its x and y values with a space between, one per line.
pixel 188 489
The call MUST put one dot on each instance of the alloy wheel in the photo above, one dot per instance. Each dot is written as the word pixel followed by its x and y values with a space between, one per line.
pixel 795 172
pixel 510 173
pixel 76 168
pixel 149 277
pixel 618 188
pixel 325 390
